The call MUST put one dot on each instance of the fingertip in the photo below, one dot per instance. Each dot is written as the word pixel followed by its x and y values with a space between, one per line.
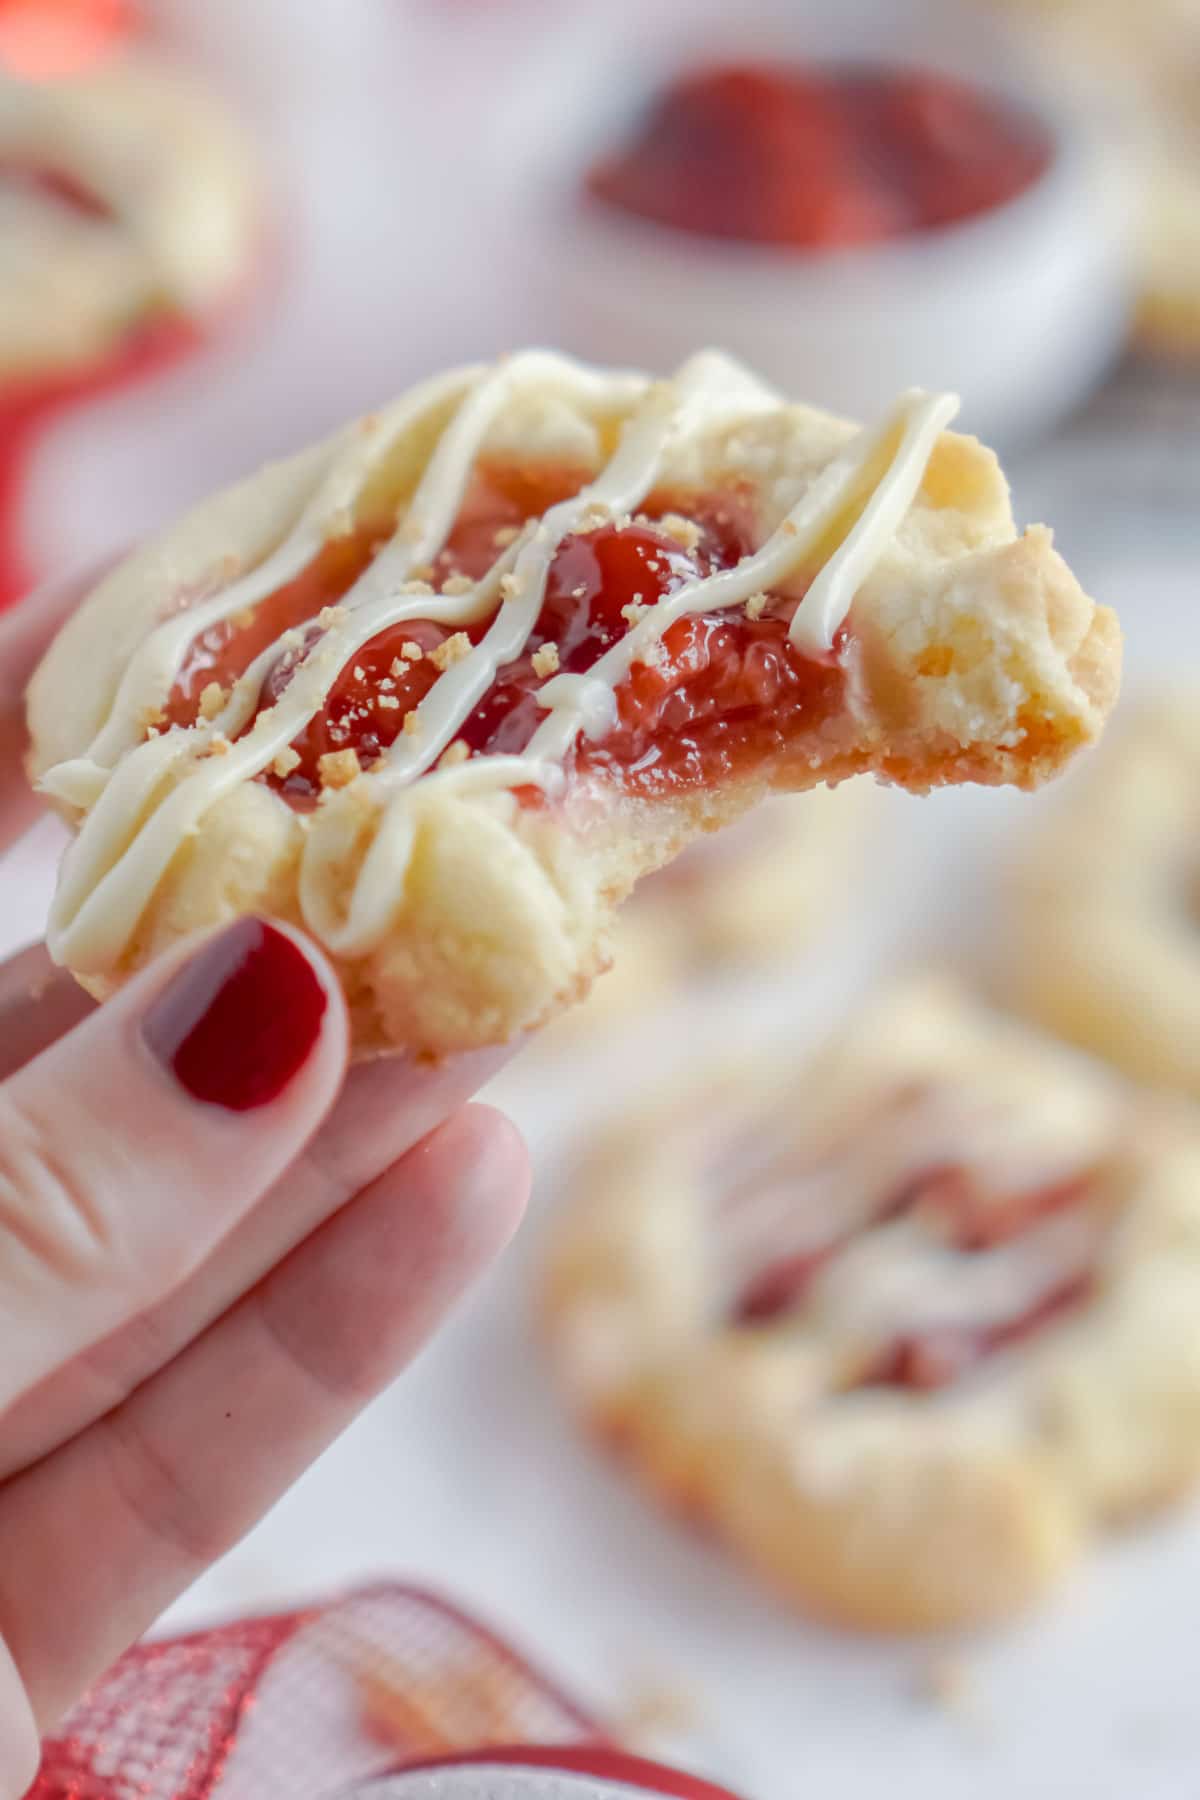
pixel 478 1166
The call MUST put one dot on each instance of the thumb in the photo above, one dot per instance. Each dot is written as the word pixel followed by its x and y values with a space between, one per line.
pixel 135 1143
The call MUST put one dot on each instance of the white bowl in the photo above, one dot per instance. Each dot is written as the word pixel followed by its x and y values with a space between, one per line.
pixel 1020 309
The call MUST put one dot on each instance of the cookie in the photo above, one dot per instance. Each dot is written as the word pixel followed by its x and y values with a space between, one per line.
pixel 126 194
pixel 1106 946
pixel 904 1322
pixel 1139 68
pixel 442 688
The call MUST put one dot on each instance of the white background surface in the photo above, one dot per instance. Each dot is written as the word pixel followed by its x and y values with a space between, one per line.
pixel 467 1475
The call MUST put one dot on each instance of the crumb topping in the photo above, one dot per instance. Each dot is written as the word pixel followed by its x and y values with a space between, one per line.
pixel 545 661
pixel 450 651
pixel 684 531
pixel 212 700
pixel 338 768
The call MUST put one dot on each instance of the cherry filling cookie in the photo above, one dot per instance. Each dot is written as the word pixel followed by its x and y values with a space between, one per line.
pixel 129 213
pixel 1107 914
pixel 903 1322
pixel 442 688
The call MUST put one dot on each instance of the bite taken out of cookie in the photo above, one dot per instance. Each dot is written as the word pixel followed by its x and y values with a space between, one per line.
pixel 442 688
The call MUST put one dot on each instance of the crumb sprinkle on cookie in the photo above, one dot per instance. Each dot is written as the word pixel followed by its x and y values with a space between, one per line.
pixel 338 768
pixel 450 651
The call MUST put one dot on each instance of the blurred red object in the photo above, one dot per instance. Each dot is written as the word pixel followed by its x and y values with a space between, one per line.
pixel 304 1704
pixel 601 1771
pixel 816 158
pixel 41 39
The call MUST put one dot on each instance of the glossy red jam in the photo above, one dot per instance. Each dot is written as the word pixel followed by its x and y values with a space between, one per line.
pixel 970 1219
pixel 724 688
pixel 809 158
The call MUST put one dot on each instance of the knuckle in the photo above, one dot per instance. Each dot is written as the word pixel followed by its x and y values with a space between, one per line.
pixel 58 1216
pixel 156 1494
pixel 337 1365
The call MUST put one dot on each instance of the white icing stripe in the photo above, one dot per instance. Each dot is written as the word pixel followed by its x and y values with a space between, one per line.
pixel 127 840
pixel 899 1281
pixel 886 1278
pixel 828 599
pixel 151 672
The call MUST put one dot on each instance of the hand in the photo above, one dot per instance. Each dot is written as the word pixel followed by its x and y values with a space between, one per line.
pixel 215 1246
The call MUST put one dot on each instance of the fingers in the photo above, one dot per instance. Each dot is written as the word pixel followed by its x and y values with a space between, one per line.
pixel 384 1109
pixel 132 1146
pixel 38 1004
pixel 20 1747
pixel 125 1516
pixel 25 635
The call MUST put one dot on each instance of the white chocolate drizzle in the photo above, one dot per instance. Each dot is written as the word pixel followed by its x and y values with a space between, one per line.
pixel 146 795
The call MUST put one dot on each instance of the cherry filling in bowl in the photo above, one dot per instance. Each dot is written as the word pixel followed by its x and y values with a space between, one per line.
pixel 724 688
pixel 964 1217
pixel 810 158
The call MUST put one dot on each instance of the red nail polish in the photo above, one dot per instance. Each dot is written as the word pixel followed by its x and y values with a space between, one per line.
pixel 239 1021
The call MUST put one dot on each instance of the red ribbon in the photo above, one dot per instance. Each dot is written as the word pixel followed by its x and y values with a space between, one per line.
pixel 304 1704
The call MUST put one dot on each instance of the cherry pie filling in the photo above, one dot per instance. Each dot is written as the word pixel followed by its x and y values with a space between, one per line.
pixel 810 158
pixel 971 1221
pixel 725 688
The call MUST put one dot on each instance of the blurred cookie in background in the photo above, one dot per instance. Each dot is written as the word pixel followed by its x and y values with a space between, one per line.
pixel 903 1322
pixel 130 215
pixel 1106 947
pixel 1139 67
pixel 750 895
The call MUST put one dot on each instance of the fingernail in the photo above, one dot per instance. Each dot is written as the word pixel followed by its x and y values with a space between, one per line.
pixel 240 1020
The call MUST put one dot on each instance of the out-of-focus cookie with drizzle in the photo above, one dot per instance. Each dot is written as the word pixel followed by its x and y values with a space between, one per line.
pixel 128 197
pixel 905 1322
pixel 444 687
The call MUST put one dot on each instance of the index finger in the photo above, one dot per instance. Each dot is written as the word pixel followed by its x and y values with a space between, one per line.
pixel 25 635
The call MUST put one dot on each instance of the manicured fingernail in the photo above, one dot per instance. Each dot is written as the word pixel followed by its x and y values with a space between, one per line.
pixel 240 1020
